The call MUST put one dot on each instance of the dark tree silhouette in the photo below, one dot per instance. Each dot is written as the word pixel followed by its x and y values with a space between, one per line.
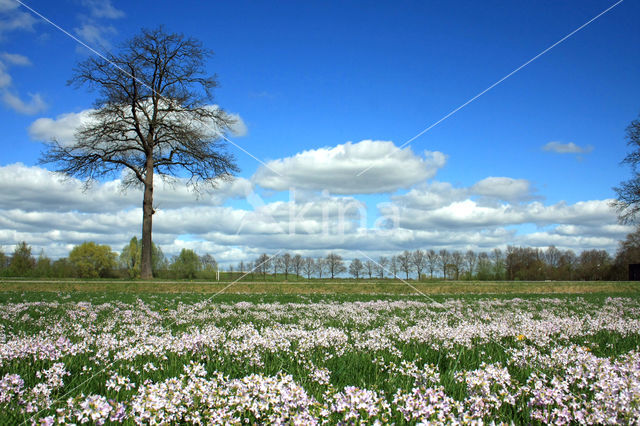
pixel 628 201
pixel 154 116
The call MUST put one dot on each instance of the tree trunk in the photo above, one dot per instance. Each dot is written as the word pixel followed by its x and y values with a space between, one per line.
pixel 146 273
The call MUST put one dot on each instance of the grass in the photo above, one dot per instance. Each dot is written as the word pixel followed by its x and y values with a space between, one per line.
pixel 111 299
pixel 325 287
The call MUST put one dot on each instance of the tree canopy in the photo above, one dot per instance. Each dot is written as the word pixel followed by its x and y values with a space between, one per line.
pixel 154 116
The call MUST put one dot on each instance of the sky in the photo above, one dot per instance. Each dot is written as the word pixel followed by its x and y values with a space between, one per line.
pixel 363 128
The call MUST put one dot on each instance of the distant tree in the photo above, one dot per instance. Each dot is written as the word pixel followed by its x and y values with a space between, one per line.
pixel 498 264
pixel 628 253
pixel 594 265
pixel 404 262
pixel 43 266
pixel 393 265
pixel 131 255
pixel 443 261
pixel 369 267
pixel 154 117
pixel 250 269
pixel 567 265
pixel 470 259
pixel 286 264
pixel 355 268
pixel 4 262
pixel 62 268
pixel 276 265
pixel 322 267
pixel 22 262
pixel 383 262
pixel 628 200
pixel 262 265
pixel 308 267
pixel 186 264
pixel 484 270
pixel 208 263
pixel 432 262
pixel 91 260
pixel 296 264
pixel 457 260
pixel 552 260
pixel 419 261
pixel 335 264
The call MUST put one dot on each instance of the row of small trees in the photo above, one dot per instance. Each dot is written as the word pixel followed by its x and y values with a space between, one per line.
pixel 515 263
pixel 91 260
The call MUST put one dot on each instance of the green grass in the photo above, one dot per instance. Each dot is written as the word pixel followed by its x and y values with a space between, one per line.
pixel 325 287
pixel 354 368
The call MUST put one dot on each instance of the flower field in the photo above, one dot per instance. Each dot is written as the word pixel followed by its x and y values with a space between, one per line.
pixel 153 359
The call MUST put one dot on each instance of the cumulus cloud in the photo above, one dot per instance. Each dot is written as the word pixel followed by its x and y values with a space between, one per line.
pixel 96 35
pixel 38 189
pixel 9 97
pixel 336 169
pixel 12 18
pixel 102 9
pixel 567 148
pixel 34 105
pixel 15 59
pixel 63 127
pixel 503 188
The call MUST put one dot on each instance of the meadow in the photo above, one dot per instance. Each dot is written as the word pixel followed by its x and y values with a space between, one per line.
pixel 312 358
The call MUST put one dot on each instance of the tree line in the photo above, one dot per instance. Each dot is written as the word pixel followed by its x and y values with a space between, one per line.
pixel 92 260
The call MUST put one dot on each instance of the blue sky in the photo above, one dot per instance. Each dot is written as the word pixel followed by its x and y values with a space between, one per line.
pixel 314 75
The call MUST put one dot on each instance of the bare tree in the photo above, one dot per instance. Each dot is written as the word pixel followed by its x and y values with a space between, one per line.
pixel 419 261
pixel 308 267
pixel 322 267
pixel 443 261
pixel 286 263
pixel 296 263
pixel 393 265
pixel 369 266
pixel 355 268
pixel 432 261
pixel 498 264
pixel 154 116
pixel 335 265
pixel 628 201
pixel 470 259
pixel 277 265
pixel 456 261
pixel 382 265
pixel 404 261
pixel 262 265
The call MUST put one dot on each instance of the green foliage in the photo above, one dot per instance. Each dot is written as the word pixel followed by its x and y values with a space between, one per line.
pixel 62 268
pixel 22 262
pixel 186 265
pixel 43 266
pixel 131 255
pixel 92 260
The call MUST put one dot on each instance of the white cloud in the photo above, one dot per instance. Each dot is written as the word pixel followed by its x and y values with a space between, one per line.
pixel 12 18
pixel 9 97
pixel 503 188
pixel 103 9
pixel 64 126
pixel 34 105
pixel 567 148
pixel 61 129
pixel 35 188
pixel 15 59
pixel 95 35
pixel 336 169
